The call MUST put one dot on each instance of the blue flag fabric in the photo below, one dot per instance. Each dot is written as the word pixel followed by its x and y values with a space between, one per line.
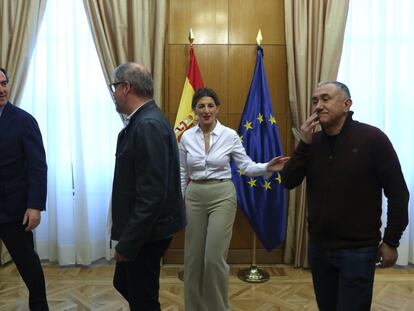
pixel 262 200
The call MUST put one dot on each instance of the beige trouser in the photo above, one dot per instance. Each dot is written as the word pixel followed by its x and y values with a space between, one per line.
pixel 211 209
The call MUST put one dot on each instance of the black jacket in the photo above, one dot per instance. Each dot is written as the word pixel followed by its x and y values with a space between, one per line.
pixel 345 186
pixel 147 204
pixel 23 169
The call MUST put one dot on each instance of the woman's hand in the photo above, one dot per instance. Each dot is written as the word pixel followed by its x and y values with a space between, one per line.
pixel 277 163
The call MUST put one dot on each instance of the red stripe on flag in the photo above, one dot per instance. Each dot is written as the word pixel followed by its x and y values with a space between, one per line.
pixel 194 74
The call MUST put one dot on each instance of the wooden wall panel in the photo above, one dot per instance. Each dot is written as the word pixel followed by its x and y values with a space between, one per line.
pixel 281 121
pixel 176 74
pixel 246 17
pixel 208 19
pixel 274 57
pixel 234 120
pixel 213 63
pixel 225 46
pixel 242 59
pixel 179 21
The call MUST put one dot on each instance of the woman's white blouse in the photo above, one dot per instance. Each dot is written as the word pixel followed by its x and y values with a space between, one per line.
pixel 196 164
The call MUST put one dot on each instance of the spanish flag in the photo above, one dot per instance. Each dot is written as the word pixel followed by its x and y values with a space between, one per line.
pixel 185 114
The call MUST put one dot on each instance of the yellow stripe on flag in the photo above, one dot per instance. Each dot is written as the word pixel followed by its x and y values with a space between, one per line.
pixel 193 82
pixel 185 114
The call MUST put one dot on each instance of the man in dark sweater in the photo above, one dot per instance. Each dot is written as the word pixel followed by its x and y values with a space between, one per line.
pixel 347 166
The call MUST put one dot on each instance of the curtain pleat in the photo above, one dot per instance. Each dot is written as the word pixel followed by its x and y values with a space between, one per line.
pixel 314 38
pixel 129 31
pixel 20 22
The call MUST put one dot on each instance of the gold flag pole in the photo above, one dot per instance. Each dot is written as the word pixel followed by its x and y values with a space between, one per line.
pixel 190 40
pixel 259 38
pixel 191 37
pixel 254 274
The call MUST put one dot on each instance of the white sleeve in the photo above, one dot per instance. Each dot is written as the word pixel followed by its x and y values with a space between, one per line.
pixel 245 163
pixel 183 166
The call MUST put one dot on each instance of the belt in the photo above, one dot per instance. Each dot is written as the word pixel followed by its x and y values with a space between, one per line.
pixel 210 181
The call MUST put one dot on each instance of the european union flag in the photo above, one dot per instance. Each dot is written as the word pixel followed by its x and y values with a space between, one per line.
pixel 262 200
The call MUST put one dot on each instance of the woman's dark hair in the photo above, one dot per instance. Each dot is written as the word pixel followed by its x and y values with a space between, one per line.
pixel 205 91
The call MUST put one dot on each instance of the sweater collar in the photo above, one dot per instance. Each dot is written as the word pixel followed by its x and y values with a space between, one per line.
pixel 348 121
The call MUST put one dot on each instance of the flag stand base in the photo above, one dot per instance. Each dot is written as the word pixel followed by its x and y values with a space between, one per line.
pixel 253 275
pixel 250 275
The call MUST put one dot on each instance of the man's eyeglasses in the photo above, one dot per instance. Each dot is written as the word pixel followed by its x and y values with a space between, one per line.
pixel 4 83
pixel 113 85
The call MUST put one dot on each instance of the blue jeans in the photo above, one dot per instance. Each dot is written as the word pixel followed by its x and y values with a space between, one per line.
pixel 343 279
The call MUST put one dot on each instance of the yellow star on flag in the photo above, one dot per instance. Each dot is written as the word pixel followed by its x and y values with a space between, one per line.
pixel 260 118
pixel 267 185
pixel 248 125
pixel 240 171
pixel 279 178
pixel 241 138
pixel 272 120
pixel 252 182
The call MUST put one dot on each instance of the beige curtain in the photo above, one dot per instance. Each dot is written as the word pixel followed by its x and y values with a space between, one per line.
pixel 20 22
pixel 4 254
pixel 314 37
pixel 129 30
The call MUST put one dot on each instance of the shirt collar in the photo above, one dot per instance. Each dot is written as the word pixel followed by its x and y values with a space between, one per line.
pixel 1 110
pixel 127 119
pixel 216 131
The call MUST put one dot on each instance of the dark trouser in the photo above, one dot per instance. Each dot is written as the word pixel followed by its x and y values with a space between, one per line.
pixel 20 245
pixel 343 279
pixel 138 280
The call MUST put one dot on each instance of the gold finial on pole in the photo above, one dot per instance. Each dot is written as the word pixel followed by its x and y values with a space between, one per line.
pixel 259 38
pixel 191 36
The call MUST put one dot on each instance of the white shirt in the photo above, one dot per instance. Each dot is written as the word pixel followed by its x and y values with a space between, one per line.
pixel 126 118
pixel 225 145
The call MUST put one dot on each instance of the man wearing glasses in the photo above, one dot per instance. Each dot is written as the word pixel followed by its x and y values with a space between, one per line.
pixel 147 206
pixel 23 182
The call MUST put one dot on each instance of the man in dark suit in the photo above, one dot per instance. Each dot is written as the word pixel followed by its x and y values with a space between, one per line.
pixel 23 182
pixel 147 206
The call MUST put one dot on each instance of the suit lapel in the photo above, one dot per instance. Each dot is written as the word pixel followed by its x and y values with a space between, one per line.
pixel 7 117
pixel 121 135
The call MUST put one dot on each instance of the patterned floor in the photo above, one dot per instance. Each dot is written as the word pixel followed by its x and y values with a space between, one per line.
pixel 289 289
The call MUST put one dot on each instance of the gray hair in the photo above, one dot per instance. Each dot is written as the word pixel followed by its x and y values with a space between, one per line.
pixel 138 76
pixel 4 71
pixel 339 85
